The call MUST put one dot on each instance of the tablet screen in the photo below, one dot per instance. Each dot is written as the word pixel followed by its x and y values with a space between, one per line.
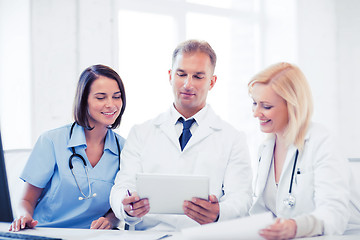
pixel 167 193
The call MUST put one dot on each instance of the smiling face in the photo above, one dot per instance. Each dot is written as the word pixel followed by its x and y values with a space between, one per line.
pixel 270 109
pixel 104 102
pixel 191 78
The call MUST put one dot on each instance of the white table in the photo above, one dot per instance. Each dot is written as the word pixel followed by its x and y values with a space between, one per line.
pixel 72 234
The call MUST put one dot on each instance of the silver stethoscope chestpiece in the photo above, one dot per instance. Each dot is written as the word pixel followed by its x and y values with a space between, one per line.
pixel 290 201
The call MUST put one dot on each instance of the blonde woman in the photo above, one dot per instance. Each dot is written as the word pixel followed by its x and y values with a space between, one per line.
pixel 299 179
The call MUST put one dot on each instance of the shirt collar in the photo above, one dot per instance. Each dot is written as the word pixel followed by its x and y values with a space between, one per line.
pixel 199 116
pixel 110 142
pixel 78 139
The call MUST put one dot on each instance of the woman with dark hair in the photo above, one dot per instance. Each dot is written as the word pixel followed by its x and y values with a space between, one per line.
pixel 71 169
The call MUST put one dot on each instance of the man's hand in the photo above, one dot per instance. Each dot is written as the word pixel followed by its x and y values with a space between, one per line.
pixel 136 207
pixel 202 211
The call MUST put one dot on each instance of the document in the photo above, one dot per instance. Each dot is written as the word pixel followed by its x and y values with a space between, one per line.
pixel 131 235
pixel 241 228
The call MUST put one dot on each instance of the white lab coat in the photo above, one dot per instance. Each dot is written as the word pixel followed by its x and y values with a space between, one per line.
pixel 215 149
pixel 321 189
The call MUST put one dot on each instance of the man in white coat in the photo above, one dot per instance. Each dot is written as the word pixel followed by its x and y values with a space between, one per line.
pixel 215 149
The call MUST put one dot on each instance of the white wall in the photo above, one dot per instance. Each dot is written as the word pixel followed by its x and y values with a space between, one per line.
pixel 54 49
pixel 15 69
pixel 67 37
pixel 329 54
pixel 96 37
pixel 348 78
pixel 317 57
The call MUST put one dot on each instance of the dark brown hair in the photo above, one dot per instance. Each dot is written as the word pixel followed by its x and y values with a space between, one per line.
pixel 87 77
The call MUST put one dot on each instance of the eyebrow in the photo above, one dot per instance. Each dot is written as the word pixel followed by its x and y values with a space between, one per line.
pixel 197 73
pixel 100 93
pixel 263 102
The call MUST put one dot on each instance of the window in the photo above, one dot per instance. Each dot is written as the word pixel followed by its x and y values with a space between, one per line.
pixel 143 63
pixel 15 102
pixel 247 35
pixel 244 35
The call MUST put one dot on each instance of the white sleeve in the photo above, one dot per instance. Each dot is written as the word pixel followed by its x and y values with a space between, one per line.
pixel 331 185
pixel 308 225
pixel 125 178
pixel 237 197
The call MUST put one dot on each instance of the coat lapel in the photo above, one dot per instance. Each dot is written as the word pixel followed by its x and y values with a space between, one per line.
pixel 264 165
pixel 163 121
pixel 289 163
pixel 208 126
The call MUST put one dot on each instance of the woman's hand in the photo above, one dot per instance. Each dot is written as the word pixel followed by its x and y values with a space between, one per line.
pixel 109 221
pixel 101 223
pixel 281 229
pixel 22 223
pixel 26 208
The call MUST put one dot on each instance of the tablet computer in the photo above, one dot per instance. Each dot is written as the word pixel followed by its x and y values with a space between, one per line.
pixel 167 193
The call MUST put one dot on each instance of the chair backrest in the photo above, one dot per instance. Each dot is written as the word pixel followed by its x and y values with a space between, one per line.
pixel 15 161
pixel 354 222
pixel 355 178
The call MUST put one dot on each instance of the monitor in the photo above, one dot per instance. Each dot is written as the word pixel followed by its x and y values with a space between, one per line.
pixel 6 214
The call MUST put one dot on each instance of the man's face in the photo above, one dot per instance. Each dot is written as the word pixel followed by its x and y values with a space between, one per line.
pixel 191 78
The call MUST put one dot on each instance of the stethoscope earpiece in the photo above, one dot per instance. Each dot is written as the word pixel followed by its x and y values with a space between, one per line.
pixel 82 198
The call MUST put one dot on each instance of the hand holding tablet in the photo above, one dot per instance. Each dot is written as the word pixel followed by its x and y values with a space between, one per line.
pixel 203 211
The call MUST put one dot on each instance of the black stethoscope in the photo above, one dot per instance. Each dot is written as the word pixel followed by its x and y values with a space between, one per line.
pixel 73 155
pixel 290 200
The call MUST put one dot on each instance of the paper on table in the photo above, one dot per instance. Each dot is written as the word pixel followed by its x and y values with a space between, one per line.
pixel 130 235
pixel 242 228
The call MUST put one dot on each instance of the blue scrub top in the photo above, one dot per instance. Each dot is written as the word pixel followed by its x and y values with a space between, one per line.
pixel 48 168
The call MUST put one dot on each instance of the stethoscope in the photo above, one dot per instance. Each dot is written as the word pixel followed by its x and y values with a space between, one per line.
pixel 290 200
pixel 73 155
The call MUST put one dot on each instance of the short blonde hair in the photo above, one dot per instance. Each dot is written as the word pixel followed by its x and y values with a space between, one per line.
pixel 288 81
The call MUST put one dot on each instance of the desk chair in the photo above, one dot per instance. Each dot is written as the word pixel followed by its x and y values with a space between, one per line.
pixel 15 160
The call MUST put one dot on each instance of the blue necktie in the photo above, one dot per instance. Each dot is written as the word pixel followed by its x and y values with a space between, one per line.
pixel 186 134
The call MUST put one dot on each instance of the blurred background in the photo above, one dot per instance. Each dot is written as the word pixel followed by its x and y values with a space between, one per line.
pixel 46 44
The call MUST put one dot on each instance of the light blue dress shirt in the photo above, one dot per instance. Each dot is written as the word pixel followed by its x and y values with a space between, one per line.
pixel 48 168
